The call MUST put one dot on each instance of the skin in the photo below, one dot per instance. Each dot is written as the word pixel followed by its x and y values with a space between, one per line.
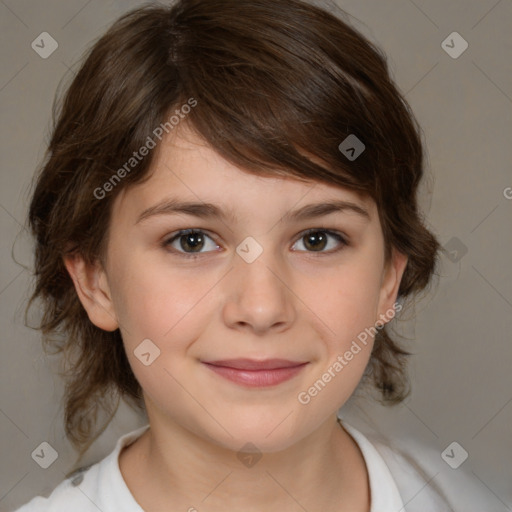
pixel 292 302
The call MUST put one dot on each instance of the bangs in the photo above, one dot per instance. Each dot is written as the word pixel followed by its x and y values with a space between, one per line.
pixel 269 98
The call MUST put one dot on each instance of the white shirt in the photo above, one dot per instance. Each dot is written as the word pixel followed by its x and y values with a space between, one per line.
pixel 392 478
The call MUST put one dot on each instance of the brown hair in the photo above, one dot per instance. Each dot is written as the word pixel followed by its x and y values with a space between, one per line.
pixel 273 81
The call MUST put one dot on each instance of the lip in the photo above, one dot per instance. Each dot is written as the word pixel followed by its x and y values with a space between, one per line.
pixel 256 373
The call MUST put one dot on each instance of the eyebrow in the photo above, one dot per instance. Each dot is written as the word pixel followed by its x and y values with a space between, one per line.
pixel 202 210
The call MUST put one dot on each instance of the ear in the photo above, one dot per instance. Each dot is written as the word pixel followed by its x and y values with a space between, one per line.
pixel 93 291
pixel 390 283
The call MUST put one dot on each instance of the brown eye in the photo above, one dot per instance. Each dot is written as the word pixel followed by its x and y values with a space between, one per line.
pixel 316 240
pixel 190 242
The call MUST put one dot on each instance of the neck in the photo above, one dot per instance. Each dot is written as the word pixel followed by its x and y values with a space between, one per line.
pixel 324 471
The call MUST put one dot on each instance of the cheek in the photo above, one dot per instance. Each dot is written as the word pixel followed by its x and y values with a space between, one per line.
pixel 157 302
pixel 347 308
pixel 168 307
pixel 347 300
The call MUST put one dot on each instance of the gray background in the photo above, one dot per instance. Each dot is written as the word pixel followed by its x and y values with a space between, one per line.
pixel 461 372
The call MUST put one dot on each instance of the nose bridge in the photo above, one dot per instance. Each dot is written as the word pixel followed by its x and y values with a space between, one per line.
pixel 258 296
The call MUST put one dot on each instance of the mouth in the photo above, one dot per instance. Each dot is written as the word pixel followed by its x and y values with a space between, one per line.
pixel 254 373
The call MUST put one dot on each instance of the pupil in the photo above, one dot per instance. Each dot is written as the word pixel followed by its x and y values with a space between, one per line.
pixel 319 236
pixel 193 241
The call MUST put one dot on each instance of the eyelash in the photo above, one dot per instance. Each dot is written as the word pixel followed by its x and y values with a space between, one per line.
pixel 166 244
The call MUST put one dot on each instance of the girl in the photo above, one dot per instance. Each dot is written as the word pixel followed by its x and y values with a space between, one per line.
pixel 226 221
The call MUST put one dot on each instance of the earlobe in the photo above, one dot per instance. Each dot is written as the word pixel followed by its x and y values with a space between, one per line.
pixel 391 278
pixel 92 288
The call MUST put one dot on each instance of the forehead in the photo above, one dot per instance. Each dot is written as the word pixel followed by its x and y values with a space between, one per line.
pixel 188 168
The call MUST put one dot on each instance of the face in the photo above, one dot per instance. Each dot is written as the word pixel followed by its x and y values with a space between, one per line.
pixel 252 298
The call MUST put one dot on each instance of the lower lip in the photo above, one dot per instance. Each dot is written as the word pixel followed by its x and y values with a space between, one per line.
pixel 257 378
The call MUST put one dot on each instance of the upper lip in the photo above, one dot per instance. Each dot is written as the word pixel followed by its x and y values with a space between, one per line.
pixel 254 364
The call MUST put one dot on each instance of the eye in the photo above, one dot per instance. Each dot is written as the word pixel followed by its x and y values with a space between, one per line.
pixel 316 240
pixel 190 242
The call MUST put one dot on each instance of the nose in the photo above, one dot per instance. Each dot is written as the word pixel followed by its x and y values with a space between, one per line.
pixel 258 298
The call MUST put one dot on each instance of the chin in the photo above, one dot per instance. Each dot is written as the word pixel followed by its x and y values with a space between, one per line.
pixel 259 433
